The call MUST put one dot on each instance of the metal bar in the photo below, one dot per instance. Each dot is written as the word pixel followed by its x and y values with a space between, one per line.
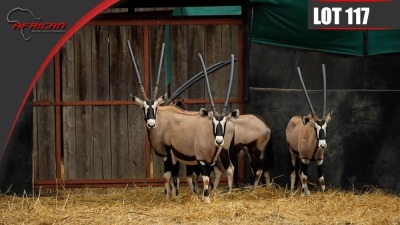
pixel 139 182
pixel 217 101
pixel 167 21
pixel 82 103
pixel 146 50
pixel 58 116
pixel 109 103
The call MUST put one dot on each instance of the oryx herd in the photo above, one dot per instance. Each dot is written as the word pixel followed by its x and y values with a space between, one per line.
pixel 208 141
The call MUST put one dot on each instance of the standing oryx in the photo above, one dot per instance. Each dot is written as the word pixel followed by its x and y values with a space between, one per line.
pixel 253 135
pixel 149 107
pixel 306 137
pixel 187 136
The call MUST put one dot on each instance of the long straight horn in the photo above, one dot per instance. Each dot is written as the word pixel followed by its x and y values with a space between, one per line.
pixel 137 71
pixel 324 80
pixel 207 83
pixel 159 71
pixel 305 91
pixel 230 84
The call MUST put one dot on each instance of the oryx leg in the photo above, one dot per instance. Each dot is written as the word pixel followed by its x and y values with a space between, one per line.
pixel 204 171
pixel 226 163
pixel 167 175
pixel 218 170
pixel 233 154
pixel 174 168
pixel 304 176
pixel 191 178
pixel 293 166
pixel 320 174
pixel 175 177
pixel 256 165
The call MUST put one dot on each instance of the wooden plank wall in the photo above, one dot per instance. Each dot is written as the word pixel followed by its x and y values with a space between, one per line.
pixel 44 150
pixel 108 141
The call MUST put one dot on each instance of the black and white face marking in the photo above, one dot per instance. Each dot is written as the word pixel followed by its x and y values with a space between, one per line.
pixel 320 129
pixel 219 124
pixel 149 110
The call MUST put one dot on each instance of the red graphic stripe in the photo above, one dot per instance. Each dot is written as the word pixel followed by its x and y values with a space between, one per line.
pixel 358 1
pixel 80 23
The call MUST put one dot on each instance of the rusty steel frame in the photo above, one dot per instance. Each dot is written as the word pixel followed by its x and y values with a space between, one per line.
pixel 58 103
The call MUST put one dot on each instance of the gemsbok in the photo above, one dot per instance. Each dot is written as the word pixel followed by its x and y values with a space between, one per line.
pixel 252 135
pixel 186 136
pixel 149 107
pixel 306 138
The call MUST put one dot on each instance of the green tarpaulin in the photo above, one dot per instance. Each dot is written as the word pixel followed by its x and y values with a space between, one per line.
pixel 284 23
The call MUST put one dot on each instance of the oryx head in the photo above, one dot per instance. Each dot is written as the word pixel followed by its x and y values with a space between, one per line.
pixel 149 109
pixel 319 124
pixel 219 120
pixel 149 106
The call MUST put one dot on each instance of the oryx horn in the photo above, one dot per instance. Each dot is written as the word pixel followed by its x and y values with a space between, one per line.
pixel 305 91
pixel 207 83
pixel 137 71
pixel 324 80
pixel 159 71
pixel 230 84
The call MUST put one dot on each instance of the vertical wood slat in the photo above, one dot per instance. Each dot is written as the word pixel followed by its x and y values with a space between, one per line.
pixel 46 162
pixel 156 38
pixel 119 58
pixel 212 55
pixel 58 132
pixel 136 126
pixel 68 91
pixel 195 45
pixel 83 114
pixel 101 114
pixel 179 52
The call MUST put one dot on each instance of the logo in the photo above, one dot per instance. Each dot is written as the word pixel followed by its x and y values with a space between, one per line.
pixel 28 24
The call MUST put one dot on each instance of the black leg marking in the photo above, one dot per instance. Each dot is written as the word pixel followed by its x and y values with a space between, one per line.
pixel 319 169
pixel 304 168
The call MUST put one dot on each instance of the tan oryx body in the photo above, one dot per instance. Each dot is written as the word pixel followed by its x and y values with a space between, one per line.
pixel 306 138
pixel 253 135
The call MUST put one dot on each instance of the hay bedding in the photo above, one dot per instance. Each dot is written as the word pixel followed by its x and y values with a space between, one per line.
pixel 134 205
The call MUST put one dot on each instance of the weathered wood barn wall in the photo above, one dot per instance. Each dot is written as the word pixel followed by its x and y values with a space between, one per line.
pixel 363 92
pixel 86 129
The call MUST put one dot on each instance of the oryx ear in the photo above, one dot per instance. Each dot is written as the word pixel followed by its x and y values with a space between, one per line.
pixel 306 120
pixel 180 104
pixel 160 100
pixel 328 117
pixel 203 112
pixel 137 101
pixel 234 114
